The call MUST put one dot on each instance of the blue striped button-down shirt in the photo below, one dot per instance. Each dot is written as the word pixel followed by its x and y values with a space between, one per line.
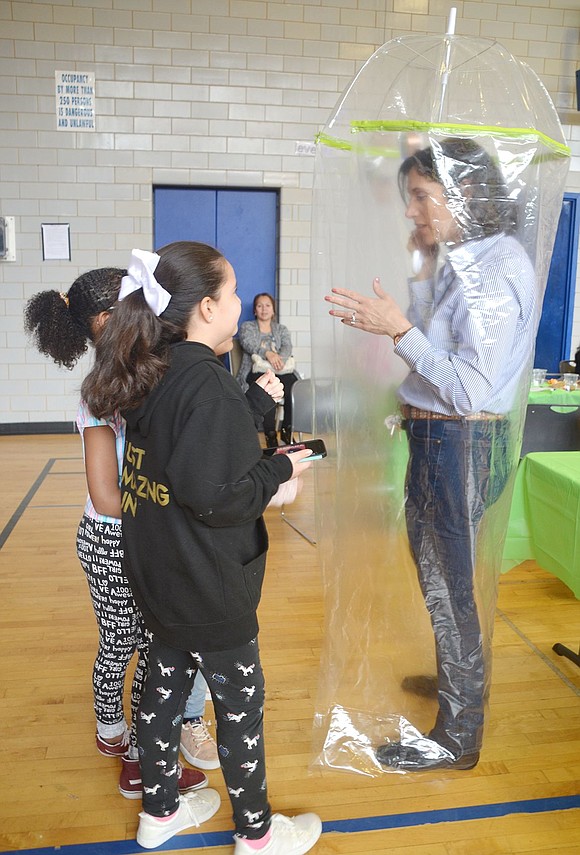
pixel 473 330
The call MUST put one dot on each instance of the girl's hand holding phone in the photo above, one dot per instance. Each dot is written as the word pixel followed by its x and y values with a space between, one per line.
pixel 300 450
pixel 300 462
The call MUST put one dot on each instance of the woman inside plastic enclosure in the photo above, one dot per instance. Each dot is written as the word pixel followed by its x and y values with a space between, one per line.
pixel 267 344
pixel 466 339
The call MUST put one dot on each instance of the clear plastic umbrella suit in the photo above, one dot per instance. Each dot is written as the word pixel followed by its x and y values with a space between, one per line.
pixel 404 662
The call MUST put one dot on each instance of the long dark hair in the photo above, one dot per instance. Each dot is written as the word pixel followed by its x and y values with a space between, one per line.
pixel 132 354
pixel 61 324
pixel 475 187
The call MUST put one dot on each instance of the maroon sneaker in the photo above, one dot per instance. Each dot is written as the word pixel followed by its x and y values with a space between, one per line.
pixel 131 786
pixel 109 749
pixel 190 779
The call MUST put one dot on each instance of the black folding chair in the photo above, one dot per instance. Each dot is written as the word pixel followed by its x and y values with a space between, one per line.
pixel 549 428
pixel 308 396
pixel 302 407
pixel 312 398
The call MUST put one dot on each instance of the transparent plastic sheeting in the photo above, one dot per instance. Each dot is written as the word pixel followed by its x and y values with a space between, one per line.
pixel 413 93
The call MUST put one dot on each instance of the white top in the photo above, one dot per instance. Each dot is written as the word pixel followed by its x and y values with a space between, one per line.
pixel 116 422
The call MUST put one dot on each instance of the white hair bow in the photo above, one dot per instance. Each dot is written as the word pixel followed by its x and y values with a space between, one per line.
pixel 140 275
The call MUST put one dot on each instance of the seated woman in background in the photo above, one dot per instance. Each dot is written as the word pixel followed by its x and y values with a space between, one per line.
pixel 266 340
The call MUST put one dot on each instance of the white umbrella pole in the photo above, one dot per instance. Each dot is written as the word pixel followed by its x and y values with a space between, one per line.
pixel 445 70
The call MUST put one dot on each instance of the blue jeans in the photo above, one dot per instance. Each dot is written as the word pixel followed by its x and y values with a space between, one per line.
pixel 195 705
pixel 456 469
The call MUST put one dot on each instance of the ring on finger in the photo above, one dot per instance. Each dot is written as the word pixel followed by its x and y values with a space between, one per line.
pixel 353 318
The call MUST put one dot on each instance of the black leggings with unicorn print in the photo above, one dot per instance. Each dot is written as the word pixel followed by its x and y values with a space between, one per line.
pixel 236 683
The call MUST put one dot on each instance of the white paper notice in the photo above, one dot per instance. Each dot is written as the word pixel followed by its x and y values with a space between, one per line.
pixel 55 241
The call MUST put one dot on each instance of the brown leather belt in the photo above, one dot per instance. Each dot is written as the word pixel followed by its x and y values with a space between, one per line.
pixel 409 412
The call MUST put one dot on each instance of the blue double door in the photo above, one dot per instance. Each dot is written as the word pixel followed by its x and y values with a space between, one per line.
pixel 242 223
pixel 553 342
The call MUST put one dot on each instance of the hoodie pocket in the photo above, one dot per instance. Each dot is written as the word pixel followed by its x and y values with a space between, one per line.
pixel 253 574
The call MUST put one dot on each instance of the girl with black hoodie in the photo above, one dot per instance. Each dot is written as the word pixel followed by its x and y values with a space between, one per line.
pixel 194 486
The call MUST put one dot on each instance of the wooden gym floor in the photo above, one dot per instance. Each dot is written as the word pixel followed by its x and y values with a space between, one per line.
pixel 58 794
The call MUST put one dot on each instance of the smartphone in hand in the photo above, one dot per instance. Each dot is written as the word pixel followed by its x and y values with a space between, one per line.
pixel 316 445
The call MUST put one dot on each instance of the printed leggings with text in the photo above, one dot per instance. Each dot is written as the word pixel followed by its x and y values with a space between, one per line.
pixel 236 683
pixel 120 624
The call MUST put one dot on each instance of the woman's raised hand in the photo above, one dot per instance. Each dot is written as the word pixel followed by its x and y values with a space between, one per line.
pixel 379 315
pixel 424 255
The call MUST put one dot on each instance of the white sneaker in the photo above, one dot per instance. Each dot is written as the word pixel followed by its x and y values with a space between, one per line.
pixel 290 836
pixel 194 808
pixel 198 746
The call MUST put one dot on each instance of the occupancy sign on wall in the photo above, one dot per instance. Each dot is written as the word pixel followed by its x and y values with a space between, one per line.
pixel 75 100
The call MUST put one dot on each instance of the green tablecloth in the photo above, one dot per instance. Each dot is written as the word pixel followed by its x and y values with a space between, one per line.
pixel 545 515
pixel 554 397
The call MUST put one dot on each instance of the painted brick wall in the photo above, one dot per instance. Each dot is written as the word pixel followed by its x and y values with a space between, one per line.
pixel 199 92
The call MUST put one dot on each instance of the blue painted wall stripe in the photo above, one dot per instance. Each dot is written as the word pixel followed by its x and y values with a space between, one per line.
pixel 345 826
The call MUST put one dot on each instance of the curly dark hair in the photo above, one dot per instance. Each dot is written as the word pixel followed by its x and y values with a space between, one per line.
pixel 132 353
pixel 60 324
pixel 473 182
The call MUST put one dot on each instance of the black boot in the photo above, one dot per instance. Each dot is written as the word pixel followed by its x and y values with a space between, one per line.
pixel 271 439
pixel 286 435
pixel 426 754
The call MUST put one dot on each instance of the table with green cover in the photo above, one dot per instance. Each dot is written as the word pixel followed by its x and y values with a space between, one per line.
pixel 554 397
pixel 545 515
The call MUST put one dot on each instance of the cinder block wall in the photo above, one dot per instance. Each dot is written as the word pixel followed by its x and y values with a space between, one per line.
pixel 212 92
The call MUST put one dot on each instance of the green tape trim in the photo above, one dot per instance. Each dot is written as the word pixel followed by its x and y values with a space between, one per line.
pixel 451 128
pixel 333 142
pixel 560 149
